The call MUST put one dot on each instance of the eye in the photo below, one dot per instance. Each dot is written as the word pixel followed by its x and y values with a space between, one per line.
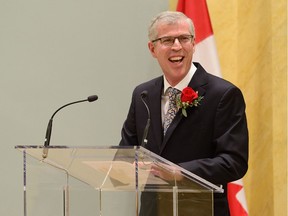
pixel 185 38
pixel 167 40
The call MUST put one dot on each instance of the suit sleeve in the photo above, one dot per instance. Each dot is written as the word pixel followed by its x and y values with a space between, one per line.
pixel 230 141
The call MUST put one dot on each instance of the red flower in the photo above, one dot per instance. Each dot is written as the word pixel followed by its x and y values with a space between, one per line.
pixel 188 95
pixel 188 98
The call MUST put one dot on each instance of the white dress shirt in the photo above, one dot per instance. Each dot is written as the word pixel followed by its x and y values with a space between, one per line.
pixel 180 86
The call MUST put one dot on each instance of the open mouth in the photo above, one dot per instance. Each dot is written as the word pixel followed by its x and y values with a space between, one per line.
pixel 176 59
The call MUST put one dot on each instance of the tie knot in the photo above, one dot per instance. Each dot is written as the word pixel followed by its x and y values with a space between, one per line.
pixel 172 92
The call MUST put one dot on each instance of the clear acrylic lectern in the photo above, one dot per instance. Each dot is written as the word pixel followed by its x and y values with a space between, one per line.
pixel 108 181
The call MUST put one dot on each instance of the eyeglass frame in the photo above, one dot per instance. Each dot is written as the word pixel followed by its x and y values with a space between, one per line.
pixel 174 38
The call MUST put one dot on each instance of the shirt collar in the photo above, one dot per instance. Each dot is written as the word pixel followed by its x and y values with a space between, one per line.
pixel 183 83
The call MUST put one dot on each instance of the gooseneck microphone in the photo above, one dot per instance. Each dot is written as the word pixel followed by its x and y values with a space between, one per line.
pixel 144 95
pixel 49 127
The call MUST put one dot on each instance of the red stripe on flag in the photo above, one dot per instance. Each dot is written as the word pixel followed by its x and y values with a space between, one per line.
pixel 198 12
pixel 236 209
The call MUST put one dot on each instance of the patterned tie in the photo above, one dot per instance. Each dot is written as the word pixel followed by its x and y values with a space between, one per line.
pixel 172 108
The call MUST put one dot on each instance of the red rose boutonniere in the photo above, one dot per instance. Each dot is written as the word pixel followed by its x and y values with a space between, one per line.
pixel 188 98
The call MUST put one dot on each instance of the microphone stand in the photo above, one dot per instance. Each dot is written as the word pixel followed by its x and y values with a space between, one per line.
pixel 49 127
pixel 145 133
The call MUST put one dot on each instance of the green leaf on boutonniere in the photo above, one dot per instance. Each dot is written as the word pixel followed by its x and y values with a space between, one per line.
pixel 184 112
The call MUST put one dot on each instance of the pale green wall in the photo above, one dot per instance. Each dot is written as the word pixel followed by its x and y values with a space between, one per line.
pixel 54 52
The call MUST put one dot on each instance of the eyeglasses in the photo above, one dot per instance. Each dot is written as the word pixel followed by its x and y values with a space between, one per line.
pixel 169 40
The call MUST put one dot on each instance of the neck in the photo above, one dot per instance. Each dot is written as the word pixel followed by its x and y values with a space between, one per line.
pixel 173 82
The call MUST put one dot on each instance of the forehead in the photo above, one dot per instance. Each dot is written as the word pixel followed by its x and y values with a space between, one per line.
pixel 173 29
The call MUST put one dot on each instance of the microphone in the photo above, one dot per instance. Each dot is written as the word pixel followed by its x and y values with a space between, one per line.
pixel 49 127
pixel 144 94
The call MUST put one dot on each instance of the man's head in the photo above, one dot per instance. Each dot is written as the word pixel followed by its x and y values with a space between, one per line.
pixel 172 41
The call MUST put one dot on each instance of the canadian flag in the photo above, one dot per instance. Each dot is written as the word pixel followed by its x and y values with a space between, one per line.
pixel 206 54
pixel 236 199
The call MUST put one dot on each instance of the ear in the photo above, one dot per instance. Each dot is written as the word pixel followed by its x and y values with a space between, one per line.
pixel 151 47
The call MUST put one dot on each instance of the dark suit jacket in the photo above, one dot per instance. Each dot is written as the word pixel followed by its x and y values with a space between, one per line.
pixel 211 142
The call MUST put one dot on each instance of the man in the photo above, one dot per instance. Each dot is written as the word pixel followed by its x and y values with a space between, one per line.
pixel 209 139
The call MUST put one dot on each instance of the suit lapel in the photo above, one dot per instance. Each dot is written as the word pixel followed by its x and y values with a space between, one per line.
pixel 199 79
pixel 197 82
pixel 171 129
pixel 155 104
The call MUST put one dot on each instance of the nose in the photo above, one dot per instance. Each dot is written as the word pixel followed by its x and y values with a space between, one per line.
pixel 176 45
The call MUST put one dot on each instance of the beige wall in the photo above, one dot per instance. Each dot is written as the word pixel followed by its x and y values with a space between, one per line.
pixel 251 38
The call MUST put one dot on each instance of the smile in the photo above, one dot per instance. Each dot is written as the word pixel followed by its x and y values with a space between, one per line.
pixel 176 59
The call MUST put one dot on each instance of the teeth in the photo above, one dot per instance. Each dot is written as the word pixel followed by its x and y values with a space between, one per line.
pixel 176 59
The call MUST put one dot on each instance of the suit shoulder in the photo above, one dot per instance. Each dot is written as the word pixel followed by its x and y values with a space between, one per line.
pixel 213 84
pixel 149 84
pixel 224 89
pixel 220 83
pixel 203 78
